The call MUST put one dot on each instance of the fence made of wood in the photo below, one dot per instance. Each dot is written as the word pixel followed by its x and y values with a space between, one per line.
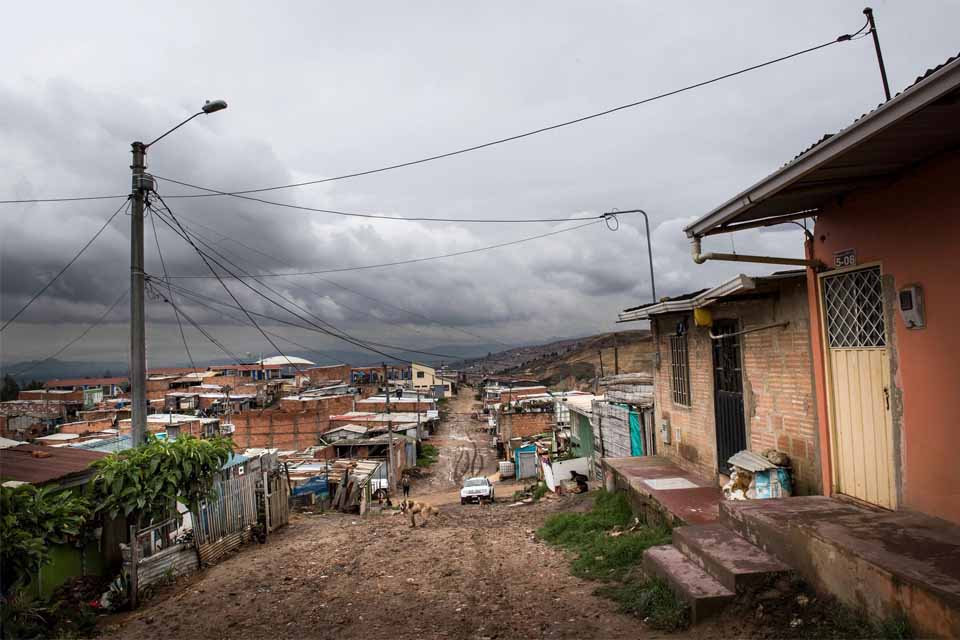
pixel 277 499
pixel 223 522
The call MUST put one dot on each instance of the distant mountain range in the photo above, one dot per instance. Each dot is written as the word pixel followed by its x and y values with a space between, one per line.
pixel 28 370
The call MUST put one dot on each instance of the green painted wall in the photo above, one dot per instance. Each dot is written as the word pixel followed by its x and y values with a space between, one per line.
pixel 582 435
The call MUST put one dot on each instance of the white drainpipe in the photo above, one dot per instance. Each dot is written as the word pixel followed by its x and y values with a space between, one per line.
pixel 700 258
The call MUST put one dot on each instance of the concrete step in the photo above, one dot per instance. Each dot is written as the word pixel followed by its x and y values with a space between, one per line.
pixel 689 582
pixel 733 561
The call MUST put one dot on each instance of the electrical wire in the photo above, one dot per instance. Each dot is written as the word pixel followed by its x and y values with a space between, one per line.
pixel 65 267
pixel 274 334
pixel 223 284
pixel 216 192
pixel 208 259
pixel 411 260
pixel 196 325
pixel 80 337
pixel 344 288
pixel 195 296
pixel 599 114
pixel 176 313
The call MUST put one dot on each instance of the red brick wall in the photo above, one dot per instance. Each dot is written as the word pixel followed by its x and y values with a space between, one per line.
pixel 779 404
pixel 380 406
pixel 41 395
pixel 337 372
pixel 287 429
pixel 523 425
pixel 86 426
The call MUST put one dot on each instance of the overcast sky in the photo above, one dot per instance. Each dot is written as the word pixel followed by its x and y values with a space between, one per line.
pixel 322 89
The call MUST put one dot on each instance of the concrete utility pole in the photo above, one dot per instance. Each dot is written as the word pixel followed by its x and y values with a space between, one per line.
pixel 141 183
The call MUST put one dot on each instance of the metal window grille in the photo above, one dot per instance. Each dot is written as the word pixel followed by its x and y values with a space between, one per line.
pixel 680 370
pixel 854 309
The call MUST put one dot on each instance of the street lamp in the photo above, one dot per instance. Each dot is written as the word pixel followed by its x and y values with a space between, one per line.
pixel 143 183
pixel 646 220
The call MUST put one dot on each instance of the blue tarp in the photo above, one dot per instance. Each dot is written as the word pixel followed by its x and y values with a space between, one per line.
pixel 316 484
pixel 636 439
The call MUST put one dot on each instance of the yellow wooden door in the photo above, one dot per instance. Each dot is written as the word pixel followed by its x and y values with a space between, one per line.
pixel 862 428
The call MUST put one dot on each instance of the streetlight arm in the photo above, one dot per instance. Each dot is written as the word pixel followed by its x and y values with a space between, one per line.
pixel 198 113
pixel 646 221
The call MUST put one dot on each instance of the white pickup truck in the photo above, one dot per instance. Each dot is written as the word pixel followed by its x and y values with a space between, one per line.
pixel 476 490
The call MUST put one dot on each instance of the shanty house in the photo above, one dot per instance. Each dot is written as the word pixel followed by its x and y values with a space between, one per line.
pixel 732 371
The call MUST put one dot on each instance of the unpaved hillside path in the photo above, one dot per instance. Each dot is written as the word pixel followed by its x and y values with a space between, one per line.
pixel 473 572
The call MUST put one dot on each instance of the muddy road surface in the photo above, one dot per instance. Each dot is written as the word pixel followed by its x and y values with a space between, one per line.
pixel 473 572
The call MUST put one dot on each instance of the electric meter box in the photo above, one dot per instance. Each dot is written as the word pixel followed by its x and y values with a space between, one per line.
pixel 910 303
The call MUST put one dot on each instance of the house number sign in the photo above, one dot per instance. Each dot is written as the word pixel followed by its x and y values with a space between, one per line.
pixel 845 258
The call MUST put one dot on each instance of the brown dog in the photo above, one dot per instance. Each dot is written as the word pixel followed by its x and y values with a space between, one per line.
pixel 425 510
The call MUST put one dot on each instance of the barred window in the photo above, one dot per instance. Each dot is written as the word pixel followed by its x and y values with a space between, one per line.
pixel 680 370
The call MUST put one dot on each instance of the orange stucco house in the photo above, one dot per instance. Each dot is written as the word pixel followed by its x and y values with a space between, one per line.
pixel 883 289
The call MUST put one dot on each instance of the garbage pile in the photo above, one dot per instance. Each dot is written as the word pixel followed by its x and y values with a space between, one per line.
pixel 759 477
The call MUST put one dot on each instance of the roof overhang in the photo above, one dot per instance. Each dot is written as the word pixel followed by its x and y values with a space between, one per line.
pixel 731 289
pixel 919 123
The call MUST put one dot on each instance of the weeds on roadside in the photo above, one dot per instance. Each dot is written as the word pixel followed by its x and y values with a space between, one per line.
pixel 599 555
pixel 650 599
pixel 847 622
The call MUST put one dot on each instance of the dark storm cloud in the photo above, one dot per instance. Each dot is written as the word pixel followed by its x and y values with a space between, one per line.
pixel 309 98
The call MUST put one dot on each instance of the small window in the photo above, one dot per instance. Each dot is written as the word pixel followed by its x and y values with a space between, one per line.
pixel 419 374
pixel 680 370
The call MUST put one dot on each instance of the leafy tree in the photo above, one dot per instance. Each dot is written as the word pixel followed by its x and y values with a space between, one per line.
pixel 32 519
pixel 149 480
pixel 33 385
pixel 10 389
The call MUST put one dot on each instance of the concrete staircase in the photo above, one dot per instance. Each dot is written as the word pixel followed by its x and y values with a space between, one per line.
pixel 707 565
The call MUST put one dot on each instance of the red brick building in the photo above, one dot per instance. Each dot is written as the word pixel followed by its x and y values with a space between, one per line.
pixel 288 429
pixel 733 372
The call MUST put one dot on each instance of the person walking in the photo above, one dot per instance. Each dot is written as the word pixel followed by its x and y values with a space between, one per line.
pixel 405 485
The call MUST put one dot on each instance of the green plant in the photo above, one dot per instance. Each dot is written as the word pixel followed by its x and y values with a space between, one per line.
pixel 540 490
pixel 31 519
pixel 149 480
pixel 650 599
pixel 428 455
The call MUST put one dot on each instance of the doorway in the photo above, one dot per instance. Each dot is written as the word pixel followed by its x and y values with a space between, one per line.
pixel 728 393
pixel 859 387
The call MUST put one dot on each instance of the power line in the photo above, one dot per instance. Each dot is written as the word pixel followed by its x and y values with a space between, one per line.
pixel 412 260
pixel 195 296
pixel 216 192
pixel 196 325
pixel 207 259
pixel 176 313
pixel 222 283
pixel 80 337
pixel 373 216
pixel 519 136
pixel 345 288
pixel 65 267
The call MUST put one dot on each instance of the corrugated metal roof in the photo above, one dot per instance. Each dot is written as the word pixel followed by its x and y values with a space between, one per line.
pixel 750 461
pixel 80 382
pixel 20 463
pixel 916 124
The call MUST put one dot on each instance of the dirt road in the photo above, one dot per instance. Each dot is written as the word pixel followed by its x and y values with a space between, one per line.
pixel 473 572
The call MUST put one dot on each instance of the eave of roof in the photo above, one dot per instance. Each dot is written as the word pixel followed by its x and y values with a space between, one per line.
pixel 780 196
pixel 688 302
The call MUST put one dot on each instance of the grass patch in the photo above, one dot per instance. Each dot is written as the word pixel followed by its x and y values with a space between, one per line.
pixel 428 455
pixel 847 622
pixel 605 549
pixel 651 600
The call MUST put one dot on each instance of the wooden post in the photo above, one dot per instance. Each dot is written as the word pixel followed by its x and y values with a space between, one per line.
pixel 266 504
pixel 134 562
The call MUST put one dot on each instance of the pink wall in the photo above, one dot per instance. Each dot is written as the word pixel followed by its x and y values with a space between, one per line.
pixel 912 228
